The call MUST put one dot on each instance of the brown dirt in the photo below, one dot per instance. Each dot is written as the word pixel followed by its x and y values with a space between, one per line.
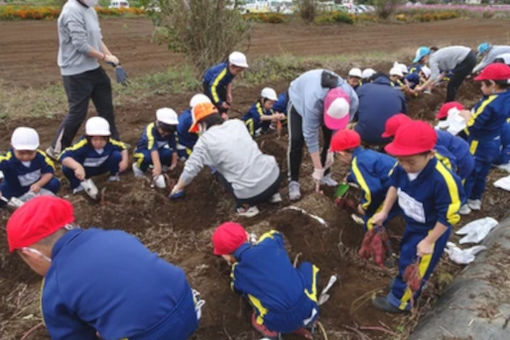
pixel 180 232
pixel 29 48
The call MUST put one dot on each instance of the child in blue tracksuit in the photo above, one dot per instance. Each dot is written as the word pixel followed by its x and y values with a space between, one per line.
pixel 459 149
pixel 158 144
pixel 369 169
pixel 504 154
pixel 261 113
pixel 280 106
pixel 25 167
pixel 484 127
pixel 429 196
pixel 94 154
pixel 284 298
pixel 217 80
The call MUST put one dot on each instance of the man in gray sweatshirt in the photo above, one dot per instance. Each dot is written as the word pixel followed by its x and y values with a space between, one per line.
pixel 460 60
pixel 81 47
pixel 489 54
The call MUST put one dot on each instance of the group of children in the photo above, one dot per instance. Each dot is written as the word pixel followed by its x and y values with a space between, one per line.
pixel 433 175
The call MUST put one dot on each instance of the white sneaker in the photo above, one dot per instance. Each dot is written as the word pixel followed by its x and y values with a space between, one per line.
pixel 475 204
pixel 276 198
pixel 465 210
pixel 248 212
pixel 114 178
pixel 52 153
pixel 329 181
pixel 294 192
pixel 78 189
pixel 136 170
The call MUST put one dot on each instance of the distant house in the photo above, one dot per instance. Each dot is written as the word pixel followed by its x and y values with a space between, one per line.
pixel 473 2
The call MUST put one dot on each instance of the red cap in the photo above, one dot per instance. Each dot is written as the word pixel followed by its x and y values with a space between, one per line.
pixel 228 237
pixel 412 138
pixel 393 123
pixel 345 140
pixel 445 108
pixel 496 71
pixel 38 218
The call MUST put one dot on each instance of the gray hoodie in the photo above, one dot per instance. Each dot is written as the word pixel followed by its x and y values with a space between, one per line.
pixel 307 96
pixel 78 31
pixel 231 150
pixel 494 52
pixel 446 59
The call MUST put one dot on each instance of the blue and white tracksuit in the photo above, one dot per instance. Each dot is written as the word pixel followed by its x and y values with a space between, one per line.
pixel 371 170
pixel 95 162
pixel 284 298
pixel 253 120
pixel 434 196
pixel 215 82
pixel 484 138
pixel 151 140
pixel 108 282
pixel 280 105
pixel 186 140
pixel 459 148
pixel 18 177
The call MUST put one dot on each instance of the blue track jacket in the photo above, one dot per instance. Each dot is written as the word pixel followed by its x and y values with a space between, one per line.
pixel 252 118
pixel 216 77
pixel 151 140
pixel 186 138
pixel 85 154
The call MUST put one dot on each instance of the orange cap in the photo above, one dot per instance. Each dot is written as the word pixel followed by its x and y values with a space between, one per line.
pixel 199 112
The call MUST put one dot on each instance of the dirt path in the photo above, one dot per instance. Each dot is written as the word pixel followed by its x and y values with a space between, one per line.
pixel 28 49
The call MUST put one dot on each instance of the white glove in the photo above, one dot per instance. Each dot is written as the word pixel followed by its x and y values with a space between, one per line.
pixel 330 159
pixel 110 58
pixel 462 256
pixel 476 230
pixel 317 174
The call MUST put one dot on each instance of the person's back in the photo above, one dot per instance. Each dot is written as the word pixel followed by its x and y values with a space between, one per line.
pixel 186 138
pixel 107 281
pixel 378 101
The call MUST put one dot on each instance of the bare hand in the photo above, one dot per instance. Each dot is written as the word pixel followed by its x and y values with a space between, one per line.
pixel 466 114
pixel 35 188
pixel 424 248
pixel 361 211
pixel 80 173
pixel 156 171
pixel 225 105
pixel 123 165
pixel 379 218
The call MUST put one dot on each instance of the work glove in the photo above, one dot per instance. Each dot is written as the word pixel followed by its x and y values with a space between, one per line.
pixel 120 75
pixel 176 194
pixel 317 176
pixel 462 256
pixel 476 230
pixel 412 276
pixel 330 159
pixel 111 59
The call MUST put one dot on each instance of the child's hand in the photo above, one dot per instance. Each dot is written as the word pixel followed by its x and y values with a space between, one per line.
pixel 123 165
pixel 361 211
pixel 379 218
pixel 156 171
pixel 466 114
pixel 80 173
pixel 35 188
pixel 424 248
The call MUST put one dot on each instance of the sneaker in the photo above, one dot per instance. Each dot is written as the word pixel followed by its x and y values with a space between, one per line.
pixel 329 181
pixel 294 192
pixel 136 170
pixel 248 212
pixel 78 189
pixel 382 303
pixel 475 204
pixel 114 178
pixel 262 329
pixel 465 210
pixel 52 153
pixel 276 198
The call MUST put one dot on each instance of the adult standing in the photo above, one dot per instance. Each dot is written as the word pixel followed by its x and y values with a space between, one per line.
pixel 460 60
pixel 489 54
pixel 378 101
pixel 81 48
pixel 318 100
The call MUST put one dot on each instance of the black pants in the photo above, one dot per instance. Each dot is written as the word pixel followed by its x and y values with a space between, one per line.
pixel 297 141
pixel 460 73
pixel 80 88
pixel 260 198
pixel 222 94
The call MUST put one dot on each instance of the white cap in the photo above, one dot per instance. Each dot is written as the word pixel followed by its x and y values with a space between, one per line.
pixel 97 126
pixel 367 73
pixel 426 71
pixel 269 93
pixel 167 115
pixel 402 67
pixel 396 71
pixel 25 138
pixel 355 72
pixel 197 99
pixel 238 59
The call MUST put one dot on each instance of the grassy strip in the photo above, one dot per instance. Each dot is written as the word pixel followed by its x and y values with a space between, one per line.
pixel 50 101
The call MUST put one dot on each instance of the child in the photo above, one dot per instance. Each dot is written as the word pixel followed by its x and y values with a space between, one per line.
pixel 396 77
pixel 367 74
pixel 369 169
pixel 94 154
pixel 354 78
pixel 484 128
pixel 217 80
pixel 186 139
pixel 157 145
pixel 243 169
pixel 503 160
pixel 25 167
pixel 261 113
pixel 430 197
pixel 280 106
pixel 284 298
pixel 418 77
